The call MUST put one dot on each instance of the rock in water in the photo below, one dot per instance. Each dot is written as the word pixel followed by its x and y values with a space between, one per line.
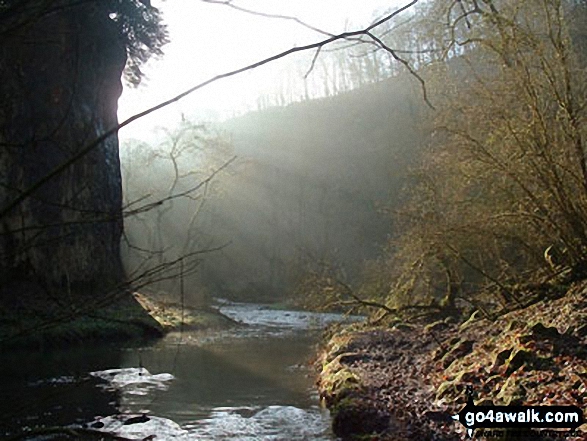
pixel 137 420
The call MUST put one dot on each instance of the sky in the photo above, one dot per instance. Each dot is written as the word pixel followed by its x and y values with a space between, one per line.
pixel 209 39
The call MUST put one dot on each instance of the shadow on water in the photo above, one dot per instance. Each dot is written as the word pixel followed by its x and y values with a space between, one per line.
pixel 52 388
pixel 251 383
pixel 238 373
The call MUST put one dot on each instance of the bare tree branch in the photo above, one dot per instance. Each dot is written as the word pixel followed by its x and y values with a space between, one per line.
pixel 229 4
pixel 106 217
pixel 406 64
pixel 161 272
pixel 313 63
pixel 185 193
pixel 114 130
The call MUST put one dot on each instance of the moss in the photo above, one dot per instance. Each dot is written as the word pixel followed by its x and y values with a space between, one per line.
pixel 500 358
pixel 455 387
pixel 336 380
pixel 337 346
pixel 172 316
pixel 523 357
pixel 474 317
pixel 512 393
pixel 127 318
pixel 356 415
pixel 437 326
pixel 460 349
pixel 404 326
pixel 517 359
pixel 446 388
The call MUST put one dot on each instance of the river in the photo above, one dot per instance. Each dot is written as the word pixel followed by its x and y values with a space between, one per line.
pixel 253 382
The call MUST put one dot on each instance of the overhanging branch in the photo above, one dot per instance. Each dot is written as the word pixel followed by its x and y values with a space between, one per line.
pixel 114 130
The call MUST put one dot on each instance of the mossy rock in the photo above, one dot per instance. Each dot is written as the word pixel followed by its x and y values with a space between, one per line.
pixel 491 382
pixel 335 383
pixel 541 332
pixel 352 357
pixel 446 388
pixel 175 317
pixel 545 331
pixel 514 325
pixel 500 358
pixel 402 326
pixel 123 319
pixel 336 346
pixel 472 319
pixel 517 359
pixel 455 387
pixel 459 350
pixel 336 380
pixel 355 416
pixel 523 357
pixel 512 393
pixel 437 326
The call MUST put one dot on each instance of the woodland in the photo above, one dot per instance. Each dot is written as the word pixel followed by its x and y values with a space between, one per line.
pixel 454 187
pixel 434 180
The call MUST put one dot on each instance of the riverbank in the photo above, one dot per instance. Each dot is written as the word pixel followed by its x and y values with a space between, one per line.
pixel 405 382
pixel 172 316
pixel 251 381
pixel 130 317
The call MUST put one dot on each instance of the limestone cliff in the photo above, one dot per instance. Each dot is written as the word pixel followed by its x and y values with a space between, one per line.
pixel 60 79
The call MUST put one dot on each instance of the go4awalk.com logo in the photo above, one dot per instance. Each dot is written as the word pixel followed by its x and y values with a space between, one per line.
pixel 518 417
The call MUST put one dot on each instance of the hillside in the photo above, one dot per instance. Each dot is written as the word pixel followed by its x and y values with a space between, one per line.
pixel 314 182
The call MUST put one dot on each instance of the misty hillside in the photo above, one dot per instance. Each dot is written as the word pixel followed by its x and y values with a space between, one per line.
pixel 367 133
pixel 313 182
pixel 430 193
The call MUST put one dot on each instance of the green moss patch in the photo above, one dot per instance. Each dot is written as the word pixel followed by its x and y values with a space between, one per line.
pixel 394 377
pixel 46 322
pixel 175 317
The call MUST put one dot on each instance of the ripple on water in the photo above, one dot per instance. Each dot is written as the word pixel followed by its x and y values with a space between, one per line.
pixel 269 423
pixel 137 381
pixel 265 317
pixel 272 423
pixel 249 368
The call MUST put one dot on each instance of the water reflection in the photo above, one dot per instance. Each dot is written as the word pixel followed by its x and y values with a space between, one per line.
pixel 53 388
pixel 234 388
pixel 272 422
pixel 252 383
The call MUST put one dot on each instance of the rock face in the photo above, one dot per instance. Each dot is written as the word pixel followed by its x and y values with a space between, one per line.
pixel 59 86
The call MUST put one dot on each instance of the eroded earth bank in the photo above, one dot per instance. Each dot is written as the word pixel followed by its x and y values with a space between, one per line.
pixel 404 381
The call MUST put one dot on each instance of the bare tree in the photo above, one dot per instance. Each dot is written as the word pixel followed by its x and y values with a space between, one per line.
pixel 505 178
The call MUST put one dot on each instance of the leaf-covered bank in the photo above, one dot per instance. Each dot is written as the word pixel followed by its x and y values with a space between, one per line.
pixel 404 382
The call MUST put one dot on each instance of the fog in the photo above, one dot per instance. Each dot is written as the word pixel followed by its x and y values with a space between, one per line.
pixel 310 188
pixel 346 179
pixel 207 39
pixel 254 185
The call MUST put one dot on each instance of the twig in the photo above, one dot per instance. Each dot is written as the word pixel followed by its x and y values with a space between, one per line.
pixel 114 130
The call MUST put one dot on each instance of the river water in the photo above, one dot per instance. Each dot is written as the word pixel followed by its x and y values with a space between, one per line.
pixel 254 382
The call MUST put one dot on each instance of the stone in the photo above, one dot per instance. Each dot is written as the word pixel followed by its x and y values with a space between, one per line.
pixel 60 79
